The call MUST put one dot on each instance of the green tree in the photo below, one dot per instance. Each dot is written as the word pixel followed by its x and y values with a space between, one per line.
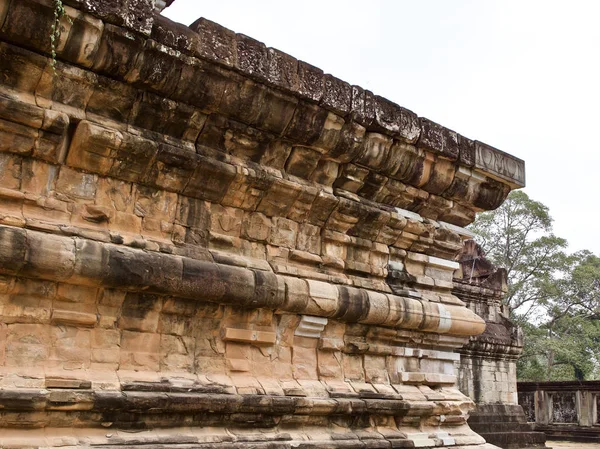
pixel 518 236
pixel 578 292
pixel 553 296
pixel 561 349
pixel 570 344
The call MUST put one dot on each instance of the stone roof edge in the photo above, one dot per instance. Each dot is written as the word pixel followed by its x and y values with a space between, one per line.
pixel 212 42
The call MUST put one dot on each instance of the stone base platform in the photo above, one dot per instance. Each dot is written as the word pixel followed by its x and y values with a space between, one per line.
pixel 506 426
pixel 186 439
pixel 183 413
pixel 570 433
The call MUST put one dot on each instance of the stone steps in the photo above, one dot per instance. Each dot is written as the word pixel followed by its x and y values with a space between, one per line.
pixel 513 440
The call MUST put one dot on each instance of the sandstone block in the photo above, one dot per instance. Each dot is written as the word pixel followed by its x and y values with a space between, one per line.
pixel 499 165
pixel 310 81
pixel 117 51
pixel 215 42
pixel 22 69
pixel 55 256
pixel 244 102
pixel 201 84
pixel 177 353
pixel 337 95
pixel 156 67
pixel 323 298
pixel 304 363
pixel 174 35
pixel 92 146
pixel 354 304
pixel 210 180
pixel 16 138
pixel 82 39
pixel 74 318
pixel 140 350
pixel 139 14
pixel 111 100
pixel 278 201
pixel 302 162
pixel 282 69
pixel 310 327
pixel 350 142
pixel 284 233
pixel 29 23
pixel 256 226
pixel 10 176
pixel 307 123
pixel 250 336
pixel 398 121
pixel 438 139
pixel 252 56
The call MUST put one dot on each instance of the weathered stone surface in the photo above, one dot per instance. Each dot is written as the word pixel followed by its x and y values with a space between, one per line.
pixel 206 242
pixel 561 409
pixel 499 165
pixel 487 371
pixel 215 42
pixel 136 15
pixel 439 139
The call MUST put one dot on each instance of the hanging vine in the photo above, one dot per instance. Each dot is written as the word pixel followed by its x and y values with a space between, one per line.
pixel 57 29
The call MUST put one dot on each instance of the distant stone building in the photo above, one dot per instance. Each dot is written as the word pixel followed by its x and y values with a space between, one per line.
pixel 563 410
pixel 206 243
pixel 488 370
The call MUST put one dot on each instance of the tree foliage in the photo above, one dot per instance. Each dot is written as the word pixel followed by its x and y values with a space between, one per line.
pixel 555 297
pixel 518 236
pixel 563 349
pixel 579 291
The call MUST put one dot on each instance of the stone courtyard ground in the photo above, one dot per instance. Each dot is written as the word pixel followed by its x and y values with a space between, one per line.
pixel 571 445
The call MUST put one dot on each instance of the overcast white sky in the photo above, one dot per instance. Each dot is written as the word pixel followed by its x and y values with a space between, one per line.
pixel 523 76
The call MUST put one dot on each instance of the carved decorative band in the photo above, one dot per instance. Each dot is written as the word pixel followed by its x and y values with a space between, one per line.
pixel 211 68
pixel 499 165
pixel 38 255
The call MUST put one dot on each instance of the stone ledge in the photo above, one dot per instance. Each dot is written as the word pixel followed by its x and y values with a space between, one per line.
pixel 165 70
pixel 47 214
pixel 45 256
pixel 174 166
pixel 140 404
pixel 381 437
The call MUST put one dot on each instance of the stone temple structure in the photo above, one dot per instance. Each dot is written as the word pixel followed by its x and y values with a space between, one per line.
pixel 488 363
pixel 206 243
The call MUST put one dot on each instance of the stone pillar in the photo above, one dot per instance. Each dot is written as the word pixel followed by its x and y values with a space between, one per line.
pixel 487 371
pixel 207 243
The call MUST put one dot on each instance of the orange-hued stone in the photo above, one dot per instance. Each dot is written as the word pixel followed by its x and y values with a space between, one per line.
pixel 207 243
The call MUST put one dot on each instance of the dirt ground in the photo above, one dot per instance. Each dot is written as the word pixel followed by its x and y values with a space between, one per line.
pixel 571 445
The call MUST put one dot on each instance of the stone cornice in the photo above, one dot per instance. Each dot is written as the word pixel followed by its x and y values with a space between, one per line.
pixel 207 67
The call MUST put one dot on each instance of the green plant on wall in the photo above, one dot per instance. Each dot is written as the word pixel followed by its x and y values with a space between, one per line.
pixel 57 29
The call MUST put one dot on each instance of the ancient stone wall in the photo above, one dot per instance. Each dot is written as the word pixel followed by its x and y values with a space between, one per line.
pixel 207 243
pixel 487 371
pixel 563 410
pixel 488 365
